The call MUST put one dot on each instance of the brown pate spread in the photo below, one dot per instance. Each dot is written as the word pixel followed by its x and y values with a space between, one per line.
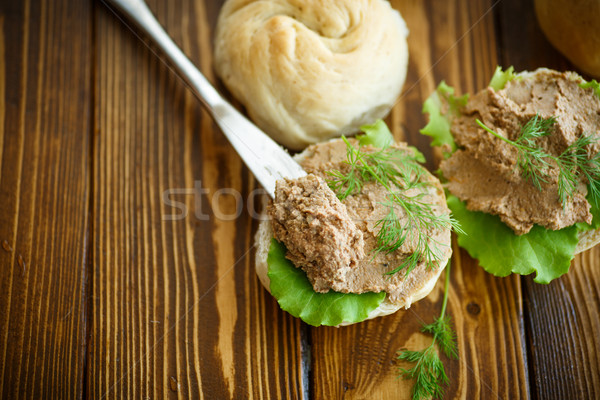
pixel 334 241
pixel 484 171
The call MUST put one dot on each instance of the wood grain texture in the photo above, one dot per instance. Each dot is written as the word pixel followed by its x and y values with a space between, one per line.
pixel 562 319
pixel 178 310
pixel 564 331
pixel 105 297
pixel 454 41
pixel 45 102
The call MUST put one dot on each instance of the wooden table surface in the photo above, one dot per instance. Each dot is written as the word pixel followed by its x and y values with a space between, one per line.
pixel 104 297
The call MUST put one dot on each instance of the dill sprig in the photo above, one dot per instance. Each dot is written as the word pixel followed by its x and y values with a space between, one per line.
pixel 534 163
pixel 397 171
pixel 386 166
pixel 428 369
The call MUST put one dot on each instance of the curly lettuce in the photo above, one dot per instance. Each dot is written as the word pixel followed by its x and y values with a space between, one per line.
pixel 295 294
pixel 594 84
pixel 442 106
pixel 594 210
pixel 377 135
pixel 501 78
pixel 500 252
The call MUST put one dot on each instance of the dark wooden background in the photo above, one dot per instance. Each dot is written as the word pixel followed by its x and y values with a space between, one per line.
pixel 101 297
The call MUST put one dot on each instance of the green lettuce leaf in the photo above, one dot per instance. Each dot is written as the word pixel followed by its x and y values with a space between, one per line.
pixel 500 78
pixel 377 135
pixel 440 117
pixel 294 293
pixel 417 155
pixel 595 210
pixel 500 252
pixel 591 84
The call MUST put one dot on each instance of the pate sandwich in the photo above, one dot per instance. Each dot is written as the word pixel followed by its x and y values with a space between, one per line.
pixel 365 233
pixel 523 169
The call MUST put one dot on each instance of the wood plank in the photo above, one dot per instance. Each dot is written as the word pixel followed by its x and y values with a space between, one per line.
pixel 564 330
pixel 454 41
pixel 45 103
pixel 178 310
pixel 562 317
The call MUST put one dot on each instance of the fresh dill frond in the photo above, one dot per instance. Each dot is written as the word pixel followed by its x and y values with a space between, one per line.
pixel 535 164
pixel 445 335
pixel 428 370
pixel 349 183
pixel 420 219
pixel 397 171
pixel 575 161
pixel 536 127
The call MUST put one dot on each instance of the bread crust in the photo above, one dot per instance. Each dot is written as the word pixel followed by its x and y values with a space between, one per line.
pixel 587 240
pixel 311 70
pixel 572 28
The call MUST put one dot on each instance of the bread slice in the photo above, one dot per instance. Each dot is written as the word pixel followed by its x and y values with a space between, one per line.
pixel 587 240
pixel 416 286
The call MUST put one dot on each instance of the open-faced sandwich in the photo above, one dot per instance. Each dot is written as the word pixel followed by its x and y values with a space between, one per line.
pixel 522 165
pixel 365 233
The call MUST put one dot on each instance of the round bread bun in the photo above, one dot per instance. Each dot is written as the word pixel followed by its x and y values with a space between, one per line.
pixel 311 70
pixel 573 29
pixel 416 286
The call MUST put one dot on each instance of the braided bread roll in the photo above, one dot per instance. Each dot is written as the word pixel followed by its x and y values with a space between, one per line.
pixel 311 70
